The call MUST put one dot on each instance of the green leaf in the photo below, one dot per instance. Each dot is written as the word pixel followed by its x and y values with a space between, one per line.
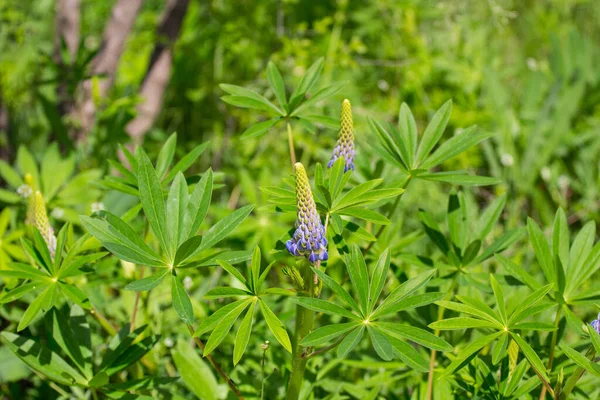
pixel 224 326
pixel 500 347
pixel 186 250
pixel 531 356
pixel 186 161
pixel 560 239
pixel 434 131
pixel 534 326
pixel 275 326
pixel 357 269
pixel 580 251
pixel 198 205
pixel 350 341
pixel 18 292
pixel 472 348
pixel 34 309
pixel 378 278
pixel 211 322
pixel 392 150
pixel 320 95
pixel 461 323
pixel 542 250
pixel 60 331
pixel 490 216
pixel 454 146
pixel 501 244
pixel 408 130
pixel 221 292
pixel 457 221
pixel 120 239
pixel 150 282
pixel 308 80
pixel 165 156
pixel 594 337
pixel 196 374
pixel 76 295
pixel 409 355
pixel 181 301
pixel 337 289
pixel 499 295
pixel 42 251
pixel 10 175
pixel 224 227
pixel 43 360
pixel 25 271
pixel 153 202
pixel 529 301
pixel 459 178
pixel 243 334
pixel 255 269
pixel 469 309
pixel 246 98
pixel 60 246
pixel 381 344
pixel 324 306
pixel 260 128
pixel 177 202
pixel 413 334
pixel 233 271
pixel 277 85
pixel 581 360
pixel 27 165
pixel 327 333
pixel 365 214
pixel 411 302
pixel 402 291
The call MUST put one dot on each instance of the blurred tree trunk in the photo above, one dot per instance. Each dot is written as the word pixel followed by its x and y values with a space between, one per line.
pixel 105 63
pixel 159 69
pixel 66 38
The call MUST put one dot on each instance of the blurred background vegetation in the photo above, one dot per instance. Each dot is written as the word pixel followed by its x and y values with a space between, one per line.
pixel 525 70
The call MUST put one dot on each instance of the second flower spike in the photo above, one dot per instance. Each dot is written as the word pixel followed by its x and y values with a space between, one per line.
pixel 309 239
pixel 345 144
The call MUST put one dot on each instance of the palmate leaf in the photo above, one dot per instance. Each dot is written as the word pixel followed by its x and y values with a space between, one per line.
pixel 414 334
pixel 165 156
pixel 338 290
pixel 350 341
pixel 401 292
pixel 223 228
pixel 408 354
pixel 324 306
pixel 243 334
pixel 150 282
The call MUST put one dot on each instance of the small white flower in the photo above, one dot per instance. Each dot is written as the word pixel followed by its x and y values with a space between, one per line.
pixel 532 64
pixel 507 160
pixel 24 191
pixel 564 182
pixel 383 85
pixel 265 345
pixel 187 283
pixel 97 206
pixel 546 174
pixel 169 342
pixel 58 213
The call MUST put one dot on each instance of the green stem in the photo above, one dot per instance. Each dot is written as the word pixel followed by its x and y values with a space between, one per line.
pixel 574 378
pixel 304 323
pixel 389 215
pixel 262 370
pixel 216 366
pixel 291 143
pixel 552 348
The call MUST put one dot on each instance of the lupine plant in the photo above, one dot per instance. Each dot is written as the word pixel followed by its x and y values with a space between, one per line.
pixel 459 304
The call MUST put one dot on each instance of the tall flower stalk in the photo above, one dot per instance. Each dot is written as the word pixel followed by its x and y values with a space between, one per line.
pixel 308 242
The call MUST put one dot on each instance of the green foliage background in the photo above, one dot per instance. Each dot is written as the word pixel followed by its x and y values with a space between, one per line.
pixel 525 72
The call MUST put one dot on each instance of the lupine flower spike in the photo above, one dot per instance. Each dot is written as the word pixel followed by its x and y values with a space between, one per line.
pixel 38 217
pixel 596 324
pixel 309 239
pixel 345 144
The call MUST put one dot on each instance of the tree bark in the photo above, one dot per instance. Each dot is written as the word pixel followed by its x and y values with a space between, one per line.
pixel 159 70
pixel 67 30
pixel 106 62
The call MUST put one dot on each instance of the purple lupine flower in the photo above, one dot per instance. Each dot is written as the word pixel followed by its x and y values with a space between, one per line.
pixel 596 324
pixel 309 239
pixel 345 144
